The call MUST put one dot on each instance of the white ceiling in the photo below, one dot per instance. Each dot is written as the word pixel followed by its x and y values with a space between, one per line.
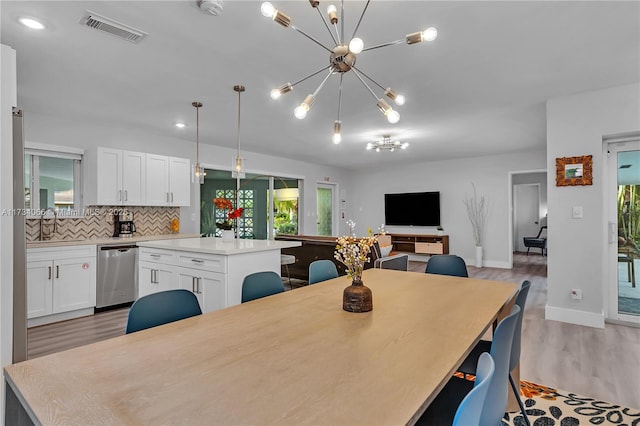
pixel 478 89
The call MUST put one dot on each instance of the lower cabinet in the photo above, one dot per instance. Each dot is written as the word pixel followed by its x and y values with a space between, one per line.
pixel 160 270
pixel 60 280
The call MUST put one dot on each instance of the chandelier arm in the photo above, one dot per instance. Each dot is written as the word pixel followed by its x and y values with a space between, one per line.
pixel 392 43
pixel 322 84
pixel 326 24
pixel 311 38
pixel 340 96
pixel 365 84
pixel 360 20
pixel 342 18
pixel 311 75
pixel 337 33
pixel 369 78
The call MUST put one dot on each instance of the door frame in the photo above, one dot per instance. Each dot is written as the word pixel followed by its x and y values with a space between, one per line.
pixel 510 215
pixel 613 145
pixel 334 205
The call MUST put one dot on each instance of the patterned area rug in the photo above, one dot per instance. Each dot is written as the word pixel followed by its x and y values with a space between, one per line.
pixel 547 406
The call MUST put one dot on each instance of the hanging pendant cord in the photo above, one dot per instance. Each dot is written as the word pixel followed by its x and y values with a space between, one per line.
pixel 239 124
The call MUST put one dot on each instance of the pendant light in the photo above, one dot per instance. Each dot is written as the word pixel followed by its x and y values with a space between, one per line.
pixel 238 162
pixel 198 171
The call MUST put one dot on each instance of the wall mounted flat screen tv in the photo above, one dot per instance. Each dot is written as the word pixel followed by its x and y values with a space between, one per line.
pixel 412 209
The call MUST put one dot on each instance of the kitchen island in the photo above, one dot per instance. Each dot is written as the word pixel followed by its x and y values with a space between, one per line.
pixel 211 268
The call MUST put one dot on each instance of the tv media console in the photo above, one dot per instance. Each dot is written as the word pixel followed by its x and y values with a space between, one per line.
pixel 418 243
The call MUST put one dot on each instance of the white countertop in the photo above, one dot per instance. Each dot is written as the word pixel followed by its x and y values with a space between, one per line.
pixel 107 240
pixel 217 246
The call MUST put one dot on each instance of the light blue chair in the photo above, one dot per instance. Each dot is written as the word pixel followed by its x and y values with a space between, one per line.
pixel 443 408
pixel 447 264
pixel 261 284
pixel 470 409
pixel 468 366
pixel 162 308
pixel 322 270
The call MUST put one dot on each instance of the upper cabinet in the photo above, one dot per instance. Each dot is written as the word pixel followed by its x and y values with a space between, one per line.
pixel 121 177
pixel 167 181
pixel 127 178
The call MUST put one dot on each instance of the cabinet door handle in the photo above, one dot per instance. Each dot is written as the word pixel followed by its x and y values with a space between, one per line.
pixel 126 197
pixel 197 260
pixel 172 197
pixel 154 255
pixel 49 272
pixel 120 195
pixel 57 271
pixel 194 284
pixel 167 197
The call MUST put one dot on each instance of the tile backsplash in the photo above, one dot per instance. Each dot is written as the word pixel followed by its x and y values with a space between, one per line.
pixel 98 223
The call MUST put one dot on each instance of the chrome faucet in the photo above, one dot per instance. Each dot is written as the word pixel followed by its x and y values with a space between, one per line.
pixel 50 232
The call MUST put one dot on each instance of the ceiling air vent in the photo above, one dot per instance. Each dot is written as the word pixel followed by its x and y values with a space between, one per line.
pixel 125 32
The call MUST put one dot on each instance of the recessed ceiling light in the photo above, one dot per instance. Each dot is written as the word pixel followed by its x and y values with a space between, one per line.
pixel 32 23
pixel 180 125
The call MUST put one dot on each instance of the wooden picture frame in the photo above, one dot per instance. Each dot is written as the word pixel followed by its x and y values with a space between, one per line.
pixel 572 171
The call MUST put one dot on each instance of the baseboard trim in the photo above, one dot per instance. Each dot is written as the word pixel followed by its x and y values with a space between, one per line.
pixel 489 263
pixel 572 316
pixel 63 316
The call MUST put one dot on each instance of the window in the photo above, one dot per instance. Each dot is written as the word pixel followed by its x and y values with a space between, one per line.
pixel 52 180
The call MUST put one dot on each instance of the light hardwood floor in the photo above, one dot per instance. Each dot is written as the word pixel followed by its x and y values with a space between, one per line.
pixel 601 363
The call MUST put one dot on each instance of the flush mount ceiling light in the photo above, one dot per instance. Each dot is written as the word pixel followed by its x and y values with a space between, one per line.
pixel 31 23
pixel 386 144
pixel 342 59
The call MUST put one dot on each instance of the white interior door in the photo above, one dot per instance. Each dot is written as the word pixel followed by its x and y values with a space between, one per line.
pixel 526 211
pixel 623 199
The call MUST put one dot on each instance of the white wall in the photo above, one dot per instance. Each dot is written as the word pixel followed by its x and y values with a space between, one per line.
pixel 453 179
pixel 578 247
pixel 65 131
pixel 7 102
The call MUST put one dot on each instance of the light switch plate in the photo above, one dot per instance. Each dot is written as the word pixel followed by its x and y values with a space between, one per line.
pixel 576 212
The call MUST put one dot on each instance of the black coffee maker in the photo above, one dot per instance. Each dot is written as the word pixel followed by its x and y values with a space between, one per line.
pixel 123 225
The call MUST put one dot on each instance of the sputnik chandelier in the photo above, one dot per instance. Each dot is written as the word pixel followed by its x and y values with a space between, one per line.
pixel 386 144
pixel 342 59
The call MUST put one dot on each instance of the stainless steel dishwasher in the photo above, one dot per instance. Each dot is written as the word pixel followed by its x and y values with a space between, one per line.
pixel 117 281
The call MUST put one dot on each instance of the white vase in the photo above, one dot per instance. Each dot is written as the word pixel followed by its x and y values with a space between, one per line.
pixel 478 257
pixel 228 235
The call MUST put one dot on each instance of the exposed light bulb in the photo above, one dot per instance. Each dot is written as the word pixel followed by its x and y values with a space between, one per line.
pixel 356 45
pixel 399 100
pixel 393 116
pixel 268 10
pixel 275 94
pixel 429 34
pixel 332 9
pixel 31 23
pixel 336 138
pixel 301 111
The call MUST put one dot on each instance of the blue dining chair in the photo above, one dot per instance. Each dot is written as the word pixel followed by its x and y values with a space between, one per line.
pixel 161 308
pixel 443 408
pixel 322 270
pixel 261 284
pixel 468 365
pixel 470 409
pixel 447 264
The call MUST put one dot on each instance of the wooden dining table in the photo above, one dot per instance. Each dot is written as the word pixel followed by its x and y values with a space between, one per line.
pixel 293 358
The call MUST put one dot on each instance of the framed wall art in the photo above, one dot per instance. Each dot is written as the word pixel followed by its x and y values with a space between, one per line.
pixel 572 171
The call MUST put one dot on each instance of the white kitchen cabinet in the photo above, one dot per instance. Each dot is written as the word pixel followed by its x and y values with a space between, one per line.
pixel 167 181
pixel 120 177
pixel 206 285
pixel 154 277
pixel 60 280
pixel 202 274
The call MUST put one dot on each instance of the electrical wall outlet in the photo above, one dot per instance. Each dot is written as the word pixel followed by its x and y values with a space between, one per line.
pixel 576 294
